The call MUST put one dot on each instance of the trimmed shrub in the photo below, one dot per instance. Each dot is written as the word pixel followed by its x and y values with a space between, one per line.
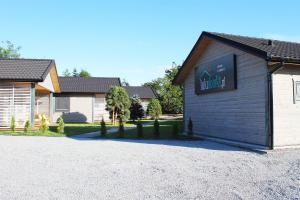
pixel 156 129
pixel 139 127
pixel 175 130
pixel 44 125
pixel 121 129
pixel 190 127
pixel 154 109
pixel 61 126
pixel 27 126
pixel 13 124
pixel 103 129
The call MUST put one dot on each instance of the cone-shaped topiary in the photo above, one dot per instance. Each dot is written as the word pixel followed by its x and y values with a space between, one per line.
pixel 156 129
pixel 61 126
pixel 121 128
pixel 103 129
pixel 139 127
pixel 44 125
pixel 13 124
pixel 27 126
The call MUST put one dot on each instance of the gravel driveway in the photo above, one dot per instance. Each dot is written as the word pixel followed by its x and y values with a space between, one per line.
pixel 65 168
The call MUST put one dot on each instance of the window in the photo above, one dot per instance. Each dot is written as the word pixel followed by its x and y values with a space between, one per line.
pixel 62 104
pixel 296 91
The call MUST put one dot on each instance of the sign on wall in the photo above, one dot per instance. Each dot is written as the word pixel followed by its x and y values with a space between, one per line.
pixel 218 75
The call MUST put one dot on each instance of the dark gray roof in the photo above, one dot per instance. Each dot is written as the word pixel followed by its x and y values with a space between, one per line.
pixel 87 85
pixel 143 92
pixel 274 50
pixel 33 70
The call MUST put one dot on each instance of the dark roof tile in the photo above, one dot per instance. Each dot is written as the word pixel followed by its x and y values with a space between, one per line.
pixel 87 85
pixel 34 70
pixel 143 92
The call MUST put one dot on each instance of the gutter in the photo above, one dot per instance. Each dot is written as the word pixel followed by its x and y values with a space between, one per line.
pixel 270 104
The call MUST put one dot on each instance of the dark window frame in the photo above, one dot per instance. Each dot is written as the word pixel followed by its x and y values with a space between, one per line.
pixel 67 104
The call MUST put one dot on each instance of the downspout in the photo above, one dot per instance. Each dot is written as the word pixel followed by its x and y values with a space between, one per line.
pixel 270 104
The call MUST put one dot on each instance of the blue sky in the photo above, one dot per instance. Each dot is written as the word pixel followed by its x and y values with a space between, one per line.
pixel 135 40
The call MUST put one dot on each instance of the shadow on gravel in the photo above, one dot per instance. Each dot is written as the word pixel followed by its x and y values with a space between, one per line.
pixel 199 143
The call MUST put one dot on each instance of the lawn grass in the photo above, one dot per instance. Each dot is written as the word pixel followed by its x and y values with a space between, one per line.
pixel 166 131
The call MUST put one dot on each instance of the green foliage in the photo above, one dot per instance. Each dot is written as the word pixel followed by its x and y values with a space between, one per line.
pixel 175 130
pixel 84 73
pixel 124 82
pixel 156 129
pixel 121 129
pixel 44 125
pixel 13 124
pixel 118 103
pixel 139 127
pixel 170 96
pixel 61 126
pixel 136 108
pixel 154 109
pixel 9 50
pixel 75 73
pixel 103 128
pixel 67 73
pixel 27 126
pixel 190 127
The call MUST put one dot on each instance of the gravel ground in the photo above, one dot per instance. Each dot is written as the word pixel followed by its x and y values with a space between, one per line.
pixel 65 168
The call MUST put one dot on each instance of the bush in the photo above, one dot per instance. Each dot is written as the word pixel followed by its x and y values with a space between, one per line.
pixel 139 127
pixel 156 129
pixel 103 129
pixel 190 127
pixel 175 130
pixel 154 109
pixel 61 126
pixel 44 125
pixel 136 108
pixel 121 129
pixel 27 126
pixel 13 124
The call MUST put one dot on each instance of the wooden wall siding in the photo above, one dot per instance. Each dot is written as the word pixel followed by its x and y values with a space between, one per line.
pixel 81 109
pixel 286 113
pixel 15 100
pixel 42 103
pixel 99 108
pixel 237 115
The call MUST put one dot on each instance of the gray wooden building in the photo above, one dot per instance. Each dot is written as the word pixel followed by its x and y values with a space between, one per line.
pixel 243 90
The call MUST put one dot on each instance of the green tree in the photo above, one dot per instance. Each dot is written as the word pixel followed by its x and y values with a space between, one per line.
pixel 84 73
pixel 118 103
pixel 154 109
pixel 75 73
pixel 67 73
pixel 170 96
pixel 9 50
pixel 136 108
pixel 124 82
pixel 61 126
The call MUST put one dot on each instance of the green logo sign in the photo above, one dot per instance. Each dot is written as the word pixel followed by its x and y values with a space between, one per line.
pixel 216 76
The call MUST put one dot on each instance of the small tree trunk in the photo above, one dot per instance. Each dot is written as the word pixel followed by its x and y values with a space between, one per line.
pixel 113 116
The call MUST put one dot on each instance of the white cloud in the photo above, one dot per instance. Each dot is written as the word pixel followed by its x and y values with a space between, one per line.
pixel 281 37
